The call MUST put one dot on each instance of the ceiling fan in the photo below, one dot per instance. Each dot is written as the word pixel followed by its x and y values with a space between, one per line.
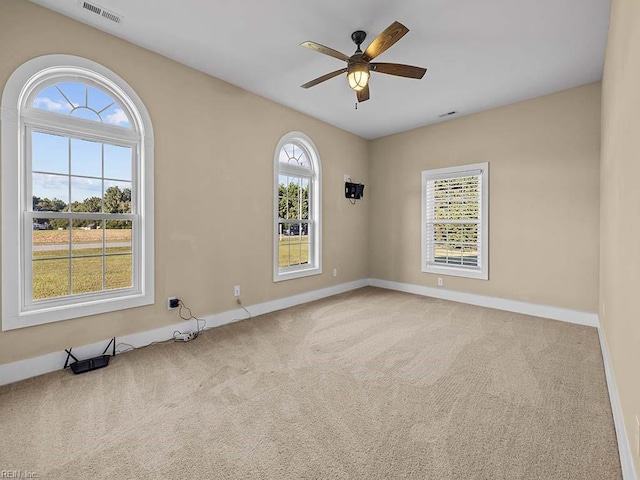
pixel 359 64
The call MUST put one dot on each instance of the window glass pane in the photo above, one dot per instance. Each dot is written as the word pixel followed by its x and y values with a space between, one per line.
pixel 118 271
pixel 49 153
pixel 455 199
pixel 282 196
pixel 87 274
pixel 74 92
pixel 50 237
pixel 304 253
pixel 293 198
pixel 98 100
pixel 470 233
pixel 285 154
pixel 85 194
pixel 115 115
pixel 86 158
pixel 117 162
pixel 440 253
pixel 86 113
pixel 118 236
pixel 304 198
pixel 295 253
pixel 292 154
pixel 470 256
pixel 50 192
pixel 50 278
pixel 86 238
pixel 51 100
pixel 283 244
pixel 82 101
pixel 117 197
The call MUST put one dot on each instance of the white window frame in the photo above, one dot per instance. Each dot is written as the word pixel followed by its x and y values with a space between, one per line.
pixel 480 272
pixel 315 206
pixel 18 119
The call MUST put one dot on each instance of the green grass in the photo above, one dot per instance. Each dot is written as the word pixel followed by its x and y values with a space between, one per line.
pixel 51 275
pixel 293 250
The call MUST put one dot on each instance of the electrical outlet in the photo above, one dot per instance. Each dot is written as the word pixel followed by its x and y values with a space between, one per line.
pixel 347 177
pixel 440 281
pixel 236 291
pixel 335 272
pixel 171 300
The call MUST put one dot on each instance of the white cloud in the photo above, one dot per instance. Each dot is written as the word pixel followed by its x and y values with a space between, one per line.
pixel 45 103
pixel 118 117
pixel 91 184
pixel 50 181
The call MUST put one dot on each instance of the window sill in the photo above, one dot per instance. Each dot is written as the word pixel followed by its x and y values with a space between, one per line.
pixel 457 272
pixel 279 275
pixel 50 314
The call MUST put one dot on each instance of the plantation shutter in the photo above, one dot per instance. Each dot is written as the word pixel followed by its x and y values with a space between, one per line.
pixel 454 220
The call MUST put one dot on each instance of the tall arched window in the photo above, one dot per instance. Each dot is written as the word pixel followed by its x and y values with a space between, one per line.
pixel 77 199
pixel 297 208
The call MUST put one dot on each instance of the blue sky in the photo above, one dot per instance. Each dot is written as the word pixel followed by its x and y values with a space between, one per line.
pixel 80 100
pixel 50 155
pixel 73 162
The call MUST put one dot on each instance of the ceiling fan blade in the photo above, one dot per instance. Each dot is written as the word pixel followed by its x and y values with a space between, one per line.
pixel 399 70
pixel 386 39
pixel 323 78
pixel 326 50
pixel 363 95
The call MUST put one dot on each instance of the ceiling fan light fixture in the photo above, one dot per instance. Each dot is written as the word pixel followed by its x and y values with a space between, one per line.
pixel 358 76
pixel 359 66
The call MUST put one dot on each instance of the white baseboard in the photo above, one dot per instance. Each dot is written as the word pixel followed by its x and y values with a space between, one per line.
pixel 536 310
pixel 31 367
pixel 624 446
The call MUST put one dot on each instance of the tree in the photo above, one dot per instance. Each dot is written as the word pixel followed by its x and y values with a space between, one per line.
pixel 46 205
pixel 293 203
pixel 115 201
pixel 91 205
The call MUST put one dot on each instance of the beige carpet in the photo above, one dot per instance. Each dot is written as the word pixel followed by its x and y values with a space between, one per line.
pixel 370 384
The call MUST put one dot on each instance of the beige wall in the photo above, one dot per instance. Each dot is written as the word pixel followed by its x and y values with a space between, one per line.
pixel 212 138
pixel 213 183
pixel 620 206
pixel 543 158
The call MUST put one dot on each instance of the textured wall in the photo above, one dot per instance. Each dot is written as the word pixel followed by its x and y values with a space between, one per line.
pixel 620 202
pixel 213 183
pixel 543 159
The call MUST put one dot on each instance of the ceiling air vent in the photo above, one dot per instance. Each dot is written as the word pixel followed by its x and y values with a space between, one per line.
pixel 98 10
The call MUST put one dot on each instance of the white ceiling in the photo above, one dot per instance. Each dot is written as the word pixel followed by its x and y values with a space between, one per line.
pixel 479 54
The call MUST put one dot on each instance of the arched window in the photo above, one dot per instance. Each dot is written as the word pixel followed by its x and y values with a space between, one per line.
pixel 297 210
pixel 77 180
